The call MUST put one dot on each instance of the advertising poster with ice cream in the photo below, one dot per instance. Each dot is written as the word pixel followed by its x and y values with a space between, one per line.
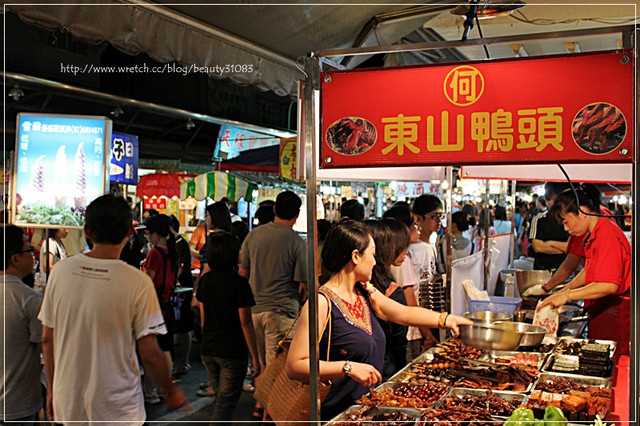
pixel 60 167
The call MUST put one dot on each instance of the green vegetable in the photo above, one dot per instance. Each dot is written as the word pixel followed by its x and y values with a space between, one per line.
pixel 521 417
pixel 599 421
pixel 554 416
pixel 46 215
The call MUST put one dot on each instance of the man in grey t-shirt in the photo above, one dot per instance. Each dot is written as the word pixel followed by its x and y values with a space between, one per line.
pixel 20 396
pixel 274 261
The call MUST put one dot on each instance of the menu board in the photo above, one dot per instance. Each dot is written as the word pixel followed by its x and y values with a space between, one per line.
pixel 60 168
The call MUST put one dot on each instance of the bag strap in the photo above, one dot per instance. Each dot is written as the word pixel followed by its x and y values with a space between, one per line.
pixel 327 321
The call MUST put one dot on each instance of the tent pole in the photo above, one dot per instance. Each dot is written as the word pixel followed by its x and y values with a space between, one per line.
pixel 306 91
pixel 513 224
pixel 629 39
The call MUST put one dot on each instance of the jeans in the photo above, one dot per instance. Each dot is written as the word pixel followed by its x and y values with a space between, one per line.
pixel 226 376
pixel 24 421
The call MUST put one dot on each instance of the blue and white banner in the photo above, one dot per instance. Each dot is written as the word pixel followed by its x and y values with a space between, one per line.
pixel 123 164
pixel 233 140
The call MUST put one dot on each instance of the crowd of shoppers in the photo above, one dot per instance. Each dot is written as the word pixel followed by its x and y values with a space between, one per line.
pixel 103 324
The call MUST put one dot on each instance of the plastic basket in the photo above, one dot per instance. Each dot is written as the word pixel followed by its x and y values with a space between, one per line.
pixel 496 304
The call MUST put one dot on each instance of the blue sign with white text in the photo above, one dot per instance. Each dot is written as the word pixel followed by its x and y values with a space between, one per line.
pixel 123 162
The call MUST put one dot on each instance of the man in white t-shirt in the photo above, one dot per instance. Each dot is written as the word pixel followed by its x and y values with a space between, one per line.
pixel 96 313
pixel 428 211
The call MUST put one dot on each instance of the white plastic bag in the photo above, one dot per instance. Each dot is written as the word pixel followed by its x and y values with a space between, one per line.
pixel 548 318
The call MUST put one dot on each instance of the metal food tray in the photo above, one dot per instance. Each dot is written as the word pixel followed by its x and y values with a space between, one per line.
pixel 399 376
pixel 425 356
pixel 583 380
pixel 395 385
pixel 613 345
pixel 490 356
pixel 344 416
pixel 547 368
pixel 527 390
pixel 506 395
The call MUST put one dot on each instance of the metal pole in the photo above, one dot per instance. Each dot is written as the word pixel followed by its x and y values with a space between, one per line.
pixel 513 223
pixel 485 239
pixel 634 330
pixel 448 237
pixel 312 69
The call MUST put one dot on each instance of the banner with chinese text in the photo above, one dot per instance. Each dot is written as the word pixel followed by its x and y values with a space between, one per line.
pixel 577 108
pixel 123 163
pixel 289 159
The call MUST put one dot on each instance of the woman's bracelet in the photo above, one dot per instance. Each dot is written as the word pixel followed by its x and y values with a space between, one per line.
pixel 442 319
pixel 568 295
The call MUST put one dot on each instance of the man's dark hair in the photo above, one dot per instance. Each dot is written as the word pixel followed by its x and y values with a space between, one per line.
pixel 323 226
pixel 220 215
pixel 552 189
pixel 461 219
pixel 13 238
pixel 175 223
pixel 287 205
pixel 222 251
pixel 401 212
pixel 426 203
pixel 265 214
pixel 352 209
pixel 108 219
pixel 500 213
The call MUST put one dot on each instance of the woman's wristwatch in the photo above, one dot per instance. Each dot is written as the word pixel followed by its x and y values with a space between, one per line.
pixel 346 368
pixel 545 288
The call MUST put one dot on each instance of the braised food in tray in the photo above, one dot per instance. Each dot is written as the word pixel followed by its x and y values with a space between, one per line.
pixel 579 397
pixel 421 374
pixel 410 396
pixel 496 377
pixel 454 416
pixel 487 403
pixel 377 416
pixel 436 365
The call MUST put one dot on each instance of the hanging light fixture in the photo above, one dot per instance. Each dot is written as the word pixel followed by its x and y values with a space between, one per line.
pixel 116 111
pixel 16 93
pixel 490 9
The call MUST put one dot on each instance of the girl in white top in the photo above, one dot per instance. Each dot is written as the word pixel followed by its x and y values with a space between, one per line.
pixel 57 252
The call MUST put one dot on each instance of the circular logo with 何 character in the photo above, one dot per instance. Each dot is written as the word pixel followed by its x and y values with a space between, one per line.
pixel 464 85
pixel 351 136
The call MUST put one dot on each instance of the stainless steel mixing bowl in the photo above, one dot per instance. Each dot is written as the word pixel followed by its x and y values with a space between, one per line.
pixel 487 317
pixel 532 335
pixel 526 279
pixel 488 337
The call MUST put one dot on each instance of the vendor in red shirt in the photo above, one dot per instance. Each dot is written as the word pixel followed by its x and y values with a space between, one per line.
pixel 606 277
pixel 575 256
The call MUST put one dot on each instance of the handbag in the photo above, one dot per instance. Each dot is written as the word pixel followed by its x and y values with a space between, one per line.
pixel 266 379
pixel 287 400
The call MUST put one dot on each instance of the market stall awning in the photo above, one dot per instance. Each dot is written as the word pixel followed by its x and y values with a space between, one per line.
pixel 161 185
pixel 594 173
pixel 216 185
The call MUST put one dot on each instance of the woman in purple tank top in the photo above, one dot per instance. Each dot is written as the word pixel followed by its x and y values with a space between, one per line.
pixel 357 341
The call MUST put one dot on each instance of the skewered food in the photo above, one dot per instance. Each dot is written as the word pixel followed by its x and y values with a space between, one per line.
pixel 422 396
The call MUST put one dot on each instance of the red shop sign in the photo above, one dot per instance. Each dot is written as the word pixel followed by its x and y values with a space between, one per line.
pixel 155 203
pixel 576 108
